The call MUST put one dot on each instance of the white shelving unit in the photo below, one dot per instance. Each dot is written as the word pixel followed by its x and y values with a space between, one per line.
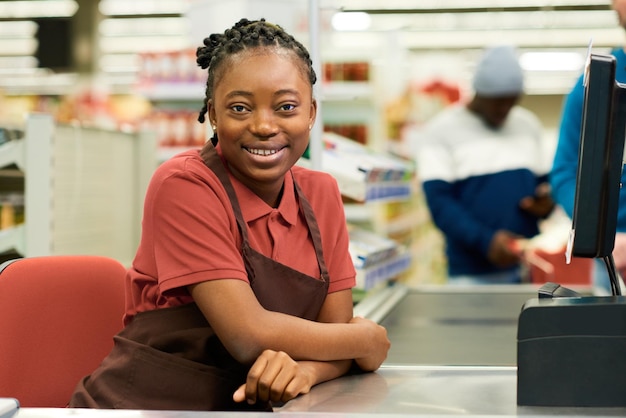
pixel 83 189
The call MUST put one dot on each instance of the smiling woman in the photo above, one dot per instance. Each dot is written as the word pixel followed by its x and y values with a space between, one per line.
pixel 240 291
pixel 263 129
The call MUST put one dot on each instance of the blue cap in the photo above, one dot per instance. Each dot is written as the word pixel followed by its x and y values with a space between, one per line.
pixel 499 73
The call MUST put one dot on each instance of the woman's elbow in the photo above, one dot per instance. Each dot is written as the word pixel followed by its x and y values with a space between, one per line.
pixel 245 348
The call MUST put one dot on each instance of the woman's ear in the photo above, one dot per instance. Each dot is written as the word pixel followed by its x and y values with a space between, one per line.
pixel 211 113
pixel 313 113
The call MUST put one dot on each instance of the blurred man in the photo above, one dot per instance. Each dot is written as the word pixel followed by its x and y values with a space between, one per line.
pixel 484 175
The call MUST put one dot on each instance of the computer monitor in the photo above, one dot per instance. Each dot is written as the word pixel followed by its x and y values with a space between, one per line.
pixel 600 160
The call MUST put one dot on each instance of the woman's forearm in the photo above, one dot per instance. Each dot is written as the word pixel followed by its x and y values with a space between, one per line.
pixel 247 329
pixel 308 340
pixel 323 371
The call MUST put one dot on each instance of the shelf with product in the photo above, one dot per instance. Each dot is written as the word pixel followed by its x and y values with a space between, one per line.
pixel 370 181
pixel 348 100
pixel 367 104
pixel 175 87
pixel 81 189
pixel 378 187
pixel 364 175
pixel 377 259
pixel 11 192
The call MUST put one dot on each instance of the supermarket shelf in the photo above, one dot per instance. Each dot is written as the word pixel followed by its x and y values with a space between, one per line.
pixel 62 165
pixel 370 277
pixel 347 91
pixel 388 191
pixel 13 239
pixel 365 175
pixel 171 91
pixel 12 152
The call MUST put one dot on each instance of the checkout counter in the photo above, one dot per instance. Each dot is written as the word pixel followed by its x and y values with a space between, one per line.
pixel 453 353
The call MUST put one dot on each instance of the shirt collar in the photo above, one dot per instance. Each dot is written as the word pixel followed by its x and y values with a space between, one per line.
pixel 253 207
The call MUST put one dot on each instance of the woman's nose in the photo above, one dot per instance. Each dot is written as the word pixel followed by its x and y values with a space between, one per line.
pixel 264 124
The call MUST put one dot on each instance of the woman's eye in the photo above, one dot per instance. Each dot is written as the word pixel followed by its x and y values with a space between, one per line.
pixel 238 108
pixel 287 107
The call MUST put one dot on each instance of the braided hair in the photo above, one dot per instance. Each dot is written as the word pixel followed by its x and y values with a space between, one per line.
pixel 245 34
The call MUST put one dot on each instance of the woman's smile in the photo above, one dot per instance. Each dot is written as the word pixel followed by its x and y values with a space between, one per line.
pixel 262 151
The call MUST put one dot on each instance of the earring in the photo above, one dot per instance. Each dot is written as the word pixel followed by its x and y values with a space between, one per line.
pixel 214 127
pixel 310 126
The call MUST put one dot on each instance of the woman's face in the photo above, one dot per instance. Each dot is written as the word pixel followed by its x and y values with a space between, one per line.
pixel 263 110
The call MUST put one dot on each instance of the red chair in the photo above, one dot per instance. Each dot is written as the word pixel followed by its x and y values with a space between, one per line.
pixel 58 316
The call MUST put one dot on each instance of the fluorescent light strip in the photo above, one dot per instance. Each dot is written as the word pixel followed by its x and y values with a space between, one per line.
pixel 18 62
pixel 452 4
pixel 493 20
pixel 13 47
pixel 127 44
pixel 552 61
pixel 144 26
pixel 521 38
pixel 467 39
pixel 18 29
pixel 37 8
pixel 351 21
pixel 142 7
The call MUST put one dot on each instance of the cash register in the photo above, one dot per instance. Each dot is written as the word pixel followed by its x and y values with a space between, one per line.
pixel 571 348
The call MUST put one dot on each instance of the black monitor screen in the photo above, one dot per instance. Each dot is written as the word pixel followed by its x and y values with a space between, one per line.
pixel 600 157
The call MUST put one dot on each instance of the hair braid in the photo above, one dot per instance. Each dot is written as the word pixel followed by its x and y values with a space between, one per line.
pixel 245 34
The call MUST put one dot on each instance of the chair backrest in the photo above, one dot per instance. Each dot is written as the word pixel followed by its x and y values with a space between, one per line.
pixel 58 316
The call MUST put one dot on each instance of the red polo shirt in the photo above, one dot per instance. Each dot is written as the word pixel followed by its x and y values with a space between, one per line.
pixel 189 232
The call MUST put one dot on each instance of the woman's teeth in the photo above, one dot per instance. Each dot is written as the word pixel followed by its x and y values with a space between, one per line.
pixel 261 151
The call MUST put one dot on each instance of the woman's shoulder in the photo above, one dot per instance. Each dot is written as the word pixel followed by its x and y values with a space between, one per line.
pixel 321 190
pixel 319 187
pixel 185 168
pixel 184 162
pixel 309 179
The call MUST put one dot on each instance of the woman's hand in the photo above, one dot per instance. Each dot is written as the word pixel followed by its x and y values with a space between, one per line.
pixel 378 342
pixel 275 377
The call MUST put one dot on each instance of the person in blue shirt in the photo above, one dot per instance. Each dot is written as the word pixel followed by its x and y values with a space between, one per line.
pixel 565 165
pixel 484 174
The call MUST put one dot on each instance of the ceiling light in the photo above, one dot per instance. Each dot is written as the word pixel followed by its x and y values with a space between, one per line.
pixel 143 7
pixel 136 44
pixel 18 62
pixel 456 4
pixel 552 61
pixel 38 8
pixel 143 26
pixel 18 29
pixel 12 47
pixel 351 21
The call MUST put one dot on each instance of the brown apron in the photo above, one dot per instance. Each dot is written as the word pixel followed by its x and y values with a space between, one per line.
pixel 170 359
